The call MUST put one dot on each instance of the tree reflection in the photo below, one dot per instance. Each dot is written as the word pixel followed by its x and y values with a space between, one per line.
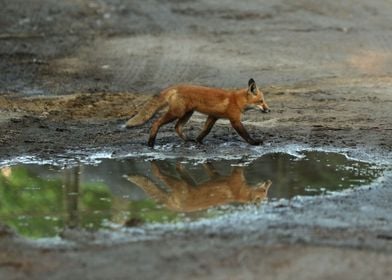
pixel 39 206
pixel 71 195
pixel 30 204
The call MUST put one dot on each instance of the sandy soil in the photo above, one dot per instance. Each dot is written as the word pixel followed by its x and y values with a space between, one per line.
pixel 72 72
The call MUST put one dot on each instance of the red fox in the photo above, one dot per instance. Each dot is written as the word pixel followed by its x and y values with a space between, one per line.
pixel 216 103
pixel 186 196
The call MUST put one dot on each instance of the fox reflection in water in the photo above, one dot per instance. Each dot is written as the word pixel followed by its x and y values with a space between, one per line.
pixel 185 195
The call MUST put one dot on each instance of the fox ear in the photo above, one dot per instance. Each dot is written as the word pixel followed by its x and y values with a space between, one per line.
pixel 252 86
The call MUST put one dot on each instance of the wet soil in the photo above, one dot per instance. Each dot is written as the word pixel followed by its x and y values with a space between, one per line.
pixel 73 72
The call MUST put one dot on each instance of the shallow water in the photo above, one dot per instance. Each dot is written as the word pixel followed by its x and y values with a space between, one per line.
pixel 42 200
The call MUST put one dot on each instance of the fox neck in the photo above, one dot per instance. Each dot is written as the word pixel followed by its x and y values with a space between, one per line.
pixel 242 99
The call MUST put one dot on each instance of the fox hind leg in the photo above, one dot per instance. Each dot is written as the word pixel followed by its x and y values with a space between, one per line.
pixel 211 171
pixel 166 118
pixel 207 128
pixel 185 175
pixel 180 124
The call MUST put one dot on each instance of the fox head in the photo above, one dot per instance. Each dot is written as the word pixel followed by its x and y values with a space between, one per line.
pixel 260 192
pixel 256 97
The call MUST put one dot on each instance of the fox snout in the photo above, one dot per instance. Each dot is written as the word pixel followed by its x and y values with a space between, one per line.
pixel 268 110
pixel 264 108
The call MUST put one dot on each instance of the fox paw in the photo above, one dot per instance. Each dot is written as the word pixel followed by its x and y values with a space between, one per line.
pixel 256 142
pixel 151 143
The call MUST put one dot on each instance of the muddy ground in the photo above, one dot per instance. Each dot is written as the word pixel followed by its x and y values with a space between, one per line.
pixel 72 72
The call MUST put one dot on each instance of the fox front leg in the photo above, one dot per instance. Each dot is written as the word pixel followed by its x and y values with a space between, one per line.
pixel 207 128
pixel 243 133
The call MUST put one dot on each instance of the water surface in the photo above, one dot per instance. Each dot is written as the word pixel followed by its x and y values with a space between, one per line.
pixel 41 200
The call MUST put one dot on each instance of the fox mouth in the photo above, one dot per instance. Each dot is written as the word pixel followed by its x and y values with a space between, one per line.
pixel 264 110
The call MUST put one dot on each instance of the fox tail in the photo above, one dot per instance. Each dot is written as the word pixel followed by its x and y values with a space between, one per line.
pixel 147 111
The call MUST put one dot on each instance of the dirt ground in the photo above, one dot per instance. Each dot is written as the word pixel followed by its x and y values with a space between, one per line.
pixel 72 72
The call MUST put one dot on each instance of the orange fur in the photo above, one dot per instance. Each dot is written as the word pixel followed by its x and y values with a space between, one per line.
pixel 183 100
pixel 185 196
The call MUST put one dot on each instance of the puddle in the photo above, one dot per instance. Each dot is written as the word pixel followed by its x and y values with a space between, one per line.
pixel 41 200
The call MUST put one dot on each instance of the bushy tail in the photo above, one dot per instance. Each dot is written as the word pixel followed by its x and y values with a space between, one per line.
pixel 147 112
